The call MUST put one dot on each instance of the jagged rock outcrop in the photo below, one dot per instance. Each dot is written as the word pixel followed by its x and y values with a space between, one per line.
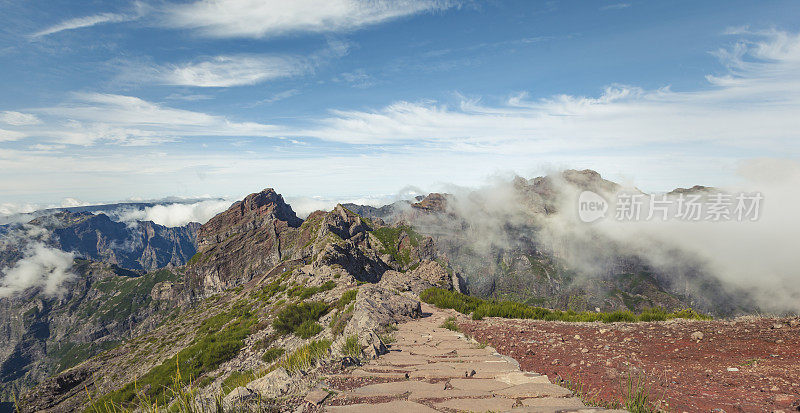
pixel 428 274
pixel 434 202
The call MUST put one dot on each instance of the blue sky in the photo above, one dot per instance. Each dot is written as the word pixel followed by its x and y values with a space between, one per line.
pixel 104 101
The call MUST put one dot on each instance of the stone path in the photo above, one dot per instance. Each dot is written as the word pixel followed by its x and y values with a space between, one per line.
pixel 430 368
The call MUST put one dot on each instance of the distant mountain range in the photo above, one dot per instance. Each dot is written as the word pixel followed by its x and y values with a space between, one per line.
pixel 139 283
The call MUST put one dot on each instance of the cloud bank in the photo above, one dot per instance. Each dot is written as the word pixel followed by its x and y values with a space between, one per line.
pixel 176 214
pixel 41 267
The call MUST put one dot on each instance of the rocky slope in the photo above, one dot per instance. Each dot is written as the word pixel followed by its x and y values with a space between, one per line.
pixel 266 297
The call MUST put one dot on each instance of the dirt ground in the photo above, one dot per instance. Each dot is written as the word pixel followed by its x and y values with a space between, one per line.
pixel 747 364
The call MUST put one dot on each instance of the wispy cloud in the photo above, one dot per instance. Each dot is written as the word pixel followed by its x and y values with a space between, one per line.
pixel 357 78
pixel 279 96
pixel 261 19
pixel 10 135
pixel 231 70
pixel 754 105
pixel 234 70
pixel 18 118
pixel 616 6
pixel 81 22
pixel 90 118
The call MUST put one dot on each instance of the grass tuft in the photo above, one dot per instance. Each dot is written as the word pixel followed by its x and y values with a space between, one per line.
pixel 306 356
pixel 450 324
pixel 351 347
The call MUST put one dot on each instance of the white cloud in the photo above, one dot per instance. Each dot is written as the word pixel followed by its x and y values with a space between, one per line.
pixel 234 70
pixel 43 267
pixel 81 22
pixel 260 18
pixel 128 120
pixel 754 105
pixel 18 118
pixel 10 135
pixel 177 214
pixel 616 6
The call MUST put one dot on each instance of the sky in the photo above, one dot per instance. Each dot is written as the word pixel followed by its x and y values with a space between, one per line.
pixel 103 101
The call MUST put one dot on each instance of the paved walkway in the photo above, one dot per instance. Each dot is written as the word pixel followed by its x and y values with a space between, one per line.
pixel 435 369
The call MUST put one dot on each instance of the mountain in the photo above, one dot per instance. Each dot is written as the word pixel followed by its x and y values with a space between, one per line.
pixel 106 300
pixel 269 299
pixel 509 242
pixel 262 280
pixel 102 306
pixel 138 246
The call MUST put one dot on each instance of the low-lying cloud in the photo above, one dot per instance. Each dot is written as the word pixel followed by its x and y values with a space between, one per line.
pixel 752 260
pixel 175 214
pixel 41 267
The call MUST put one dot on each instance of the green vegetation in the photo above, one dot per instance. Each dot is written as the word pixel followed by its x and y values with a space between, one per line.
pixel 387 334
pixel 351 347
pixel 237 379
pixel 195 258
pixel 129 295
pixel 390 239
pixel 306 292
pixel 637 396
pixel 306 356
pixel 219 338
pixel 269 290
pixel 272 354
pixel 293 316
pixel 70 354
pixel 450 324
pixel 507 309
pixel 588 397
pixel 308 329
pixel 347 297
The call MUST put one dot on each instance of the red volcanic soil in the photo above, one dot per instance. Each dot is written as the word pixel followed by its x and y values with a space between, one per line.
pixel 747 364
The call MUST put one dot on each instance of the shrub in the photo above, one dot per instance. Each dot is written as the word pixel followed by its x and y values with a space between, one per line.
pixel 272 354
pixel 450 324
pixel 480 308
pixel 351 347
pixel 307 292
pixel 306 356
pixel 294 315
pixel 347 297
pixel 308 329
pixel 269 290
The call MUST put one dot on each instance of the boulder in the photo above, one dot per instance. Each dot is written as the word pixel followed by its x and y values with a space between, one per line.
pixel 272 385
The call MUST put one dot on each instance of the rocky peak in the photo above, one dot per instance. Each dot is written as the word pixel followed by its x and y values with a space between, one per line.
pixel 254 211
pixel 695 190
pixel 344 223
pixel 434 202
pixel 588 179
